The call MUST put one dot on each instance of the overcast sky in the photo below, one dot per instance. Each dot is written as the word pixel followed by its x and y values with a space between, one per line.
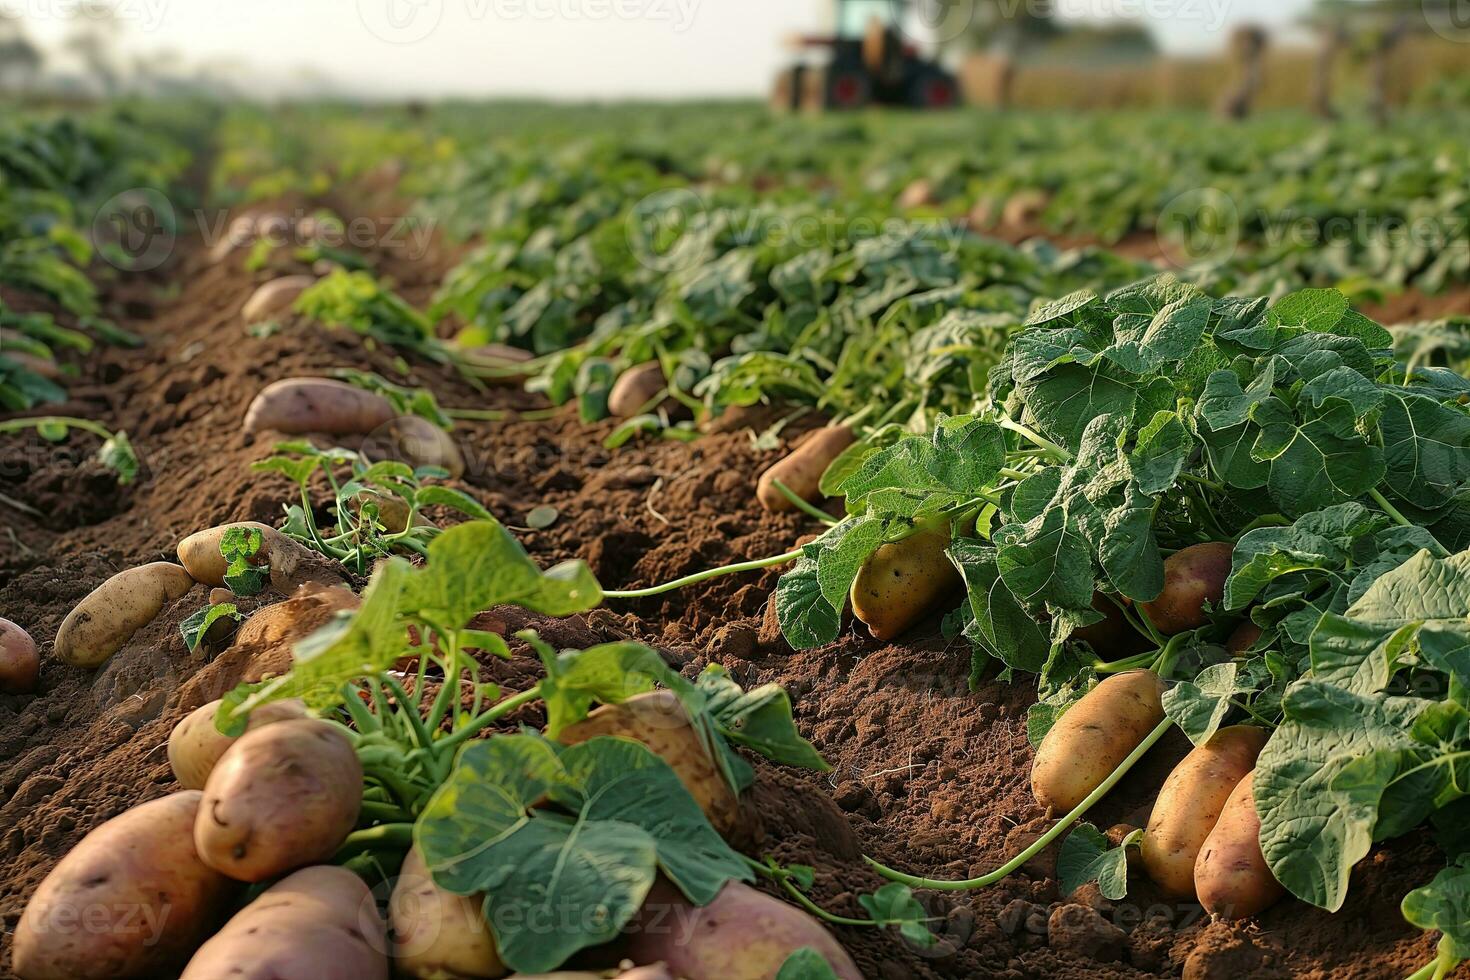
pixel 559 48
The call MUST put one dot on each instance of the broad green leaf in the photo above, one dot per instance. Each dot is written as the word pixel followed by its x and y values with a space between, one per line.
pixel 806 964
pixel 1443 905
pixel 1086 855
pixel 1200 706
pixel 1002 627
pixel 759 719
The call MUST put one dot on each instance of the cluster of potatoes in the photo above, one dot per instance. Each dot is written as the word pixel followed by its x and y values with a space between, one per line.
pixel 296 406
pixel 1202 841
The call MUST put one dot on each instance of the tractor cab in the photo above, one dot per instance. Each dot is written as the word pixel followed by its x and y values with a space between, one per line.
pixel 868 60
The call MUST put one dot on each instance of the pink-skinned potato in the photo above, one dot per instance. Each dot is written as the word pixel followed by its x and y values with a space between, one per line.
pixel 902 581
pixel 635 388
pixel 275 297
pixel 108 617
pixel 320 923
pixel 131 900
pixel 1192 577
pixel 282 797
pixel 801 470
pixel 1094 736
pixel 1231 876
pixel 20 664
pixel 195 746
pixel 742 935
pixel 438 935
pixel 1243 638
pixel 1191 802
pixel 300 405
pixel 659 720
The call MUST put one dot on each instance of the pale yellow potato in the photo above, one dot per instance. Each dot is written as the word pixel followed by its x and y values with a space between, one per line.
pixel 741 935
pixel 1231 875
pixel 438 935
pixel 115 610
pixel 199 553
pixel 1094 736
pixel 282 797
pixel 275 297
pixel 196 745
pixel 801 470
pixel 1190 803
pixel 635 388
pixel 131 900
pixel 20 665
pixel 659 720
pixel 900 582
pixel 300 405
pixel 320 923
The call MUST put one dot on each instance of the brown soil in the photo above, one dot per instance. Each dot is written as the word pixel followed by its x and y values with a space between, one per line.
pixel 926 774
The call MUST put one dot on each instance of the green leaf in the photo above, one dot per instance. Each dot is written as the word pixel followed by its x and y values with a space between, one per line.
pixel 621 816
pixel 1002 627
pixel 1087 856
pixel 894 905
pixel 248 571
pixel 1443 905
pixel 759 719
pixel 1200 706
pixel 1163 447
pixel 918 476
pixel 453 499
pixel 806 964
pixel 197 624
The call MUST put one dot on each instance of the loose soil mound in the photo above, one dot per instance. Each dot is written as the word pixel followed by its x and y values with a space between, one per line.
pixel 927 775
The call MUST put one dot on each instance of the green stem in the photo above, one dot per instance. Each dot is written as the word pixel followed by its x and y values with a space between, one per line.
pixel 783 878
pixel 86 425
pixel 1042 842
pixel 1037 439
pixel 500 415
pixel 1389 509
pixel 1164 665
pixel 1202 482
pixel 697 577
pixel 1127 663
pixel 802 505
pixel 408 708
pixel 385 812
pixel 388 836
pixel 476 725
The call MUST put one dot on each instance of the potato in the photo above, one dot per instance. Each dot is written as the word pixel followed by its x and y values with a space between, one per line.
pixel 283 796
pixel 417 442
pixel 393 513
pixel 658 720
pixel 1231 875
pixel 1244 637
pixel 438 935
pixel 656 972
pixel 902 581
pixel 1024 208
pixel 275 297
pixel 200 555
pixel 1112 635
pixel 109 616
pixel 1191 802
pixel 196 745
pixel 131 900
pixel 801 470
pixel 20 665
pixel 1094 736
pixel 301 405
pixel 741 935
pixel 320 923
pixel 1192 577
pixel 635 388
pixel 918 194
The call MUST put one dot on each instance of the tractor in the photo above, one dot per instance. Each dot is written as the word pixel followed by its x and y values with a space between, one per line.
pixel 867 61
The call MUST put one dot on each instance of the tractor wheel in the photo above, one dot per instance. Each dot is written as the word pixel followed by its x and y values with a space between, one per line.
pixel 845 90
pixel 934 90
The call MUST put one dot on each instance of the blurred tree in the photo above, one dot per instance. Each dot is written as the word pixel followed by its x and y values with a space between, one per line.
pixel 93 40
pixel 20 60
